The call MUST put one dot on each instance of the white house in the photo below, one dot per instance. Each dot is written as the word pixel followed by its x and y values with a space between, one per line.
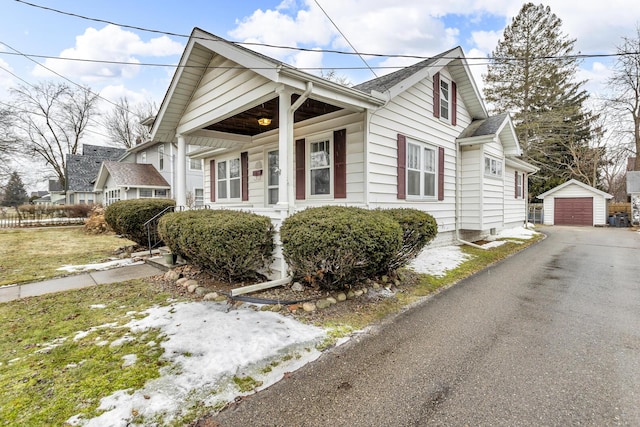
pixel 575 203
pixel 275 140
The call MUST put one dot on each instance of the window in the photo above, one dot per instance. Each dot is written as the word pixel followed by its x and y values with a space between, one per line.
pixel 421 170
pixel 145 193
pixel 161 157
pixel 492 167
pixel 320 168
pixel 195 164
pixel 518 182
pixel 143 157
pixel 273 176
pixel 444 99
pixel 229 179
pixel 161 193
pixel 199 196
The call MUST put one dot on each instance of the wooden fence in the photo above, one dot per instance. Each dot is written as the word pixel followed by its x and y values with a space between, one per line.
pixel 618 207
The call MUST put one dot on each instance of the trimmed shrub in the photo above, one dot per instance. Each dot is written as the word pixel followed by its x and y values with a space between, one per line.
pixel 127 217
pixel 231 245
pixel 334 246
pixel 418 229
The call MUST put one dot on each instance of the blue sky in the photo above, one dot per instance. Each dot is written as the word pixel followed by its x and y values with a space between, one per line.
pixel 407 27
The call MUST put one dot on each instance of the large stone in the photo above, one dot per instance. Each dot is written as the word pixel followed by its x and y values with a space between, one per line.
pixel 350 295
pixel 322 304
pixel 332 300
pixel 211 296
pixel 181 281
pixel 341 296
pixel 201 290
pixel 297 286
pixel 187 284
pixel 171 275
pixel 192 287
pixel 309 306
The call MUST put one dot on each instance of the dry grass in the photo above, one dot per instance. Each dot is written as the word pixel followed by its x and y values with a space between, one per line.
pixel 33 254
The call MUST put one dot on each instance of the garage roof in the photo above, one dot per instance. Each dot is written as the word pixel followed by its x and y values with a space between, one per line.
pixel 578 183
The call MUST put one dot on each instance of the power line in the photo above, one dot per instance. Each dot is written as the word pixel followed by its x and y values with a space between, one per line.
pixel 339 52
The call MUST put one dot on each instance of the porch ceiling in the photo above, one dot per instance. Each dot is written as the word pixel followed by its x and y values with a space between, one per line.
pixel 246 122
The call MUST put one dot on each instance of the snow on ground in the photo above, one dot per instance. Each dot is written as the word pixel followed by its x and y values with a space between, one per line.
pixel 100 266
pixel 437 261
pixel 209 343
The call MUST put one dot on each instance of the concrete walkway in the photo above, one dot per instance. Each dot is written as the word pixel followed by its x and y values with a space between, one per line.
pixel 152 267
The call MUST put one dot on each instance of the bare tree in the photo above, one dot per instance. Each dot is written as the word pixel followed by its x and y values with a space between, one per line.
pixel 50 120
pixel 625 85
pixel 333 76
pixel 124 122
pixel 7 142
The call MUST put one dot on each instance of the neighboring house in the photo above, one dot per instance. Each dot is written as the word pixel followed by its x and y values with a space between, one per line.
pixel 633 190
pixel 162 155
pixel 82 170
pixel 575 203
pixel 275 140
pixel 57 194
pixel 125 181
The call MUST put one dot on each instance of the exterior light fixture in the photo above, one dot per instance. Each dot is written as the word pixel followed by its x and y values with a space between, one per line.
pixel 264 121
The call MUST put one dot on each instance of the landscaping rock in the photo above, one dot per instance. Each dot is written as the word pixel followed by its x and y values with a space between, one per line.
pixel 297 286
pixel 332 300
pixel 211 296
pixel 171 275
pixel 350 295
pixel 189 283
pixel 358 292
pixel 309 306
pixel 341 297
pixel 201 291
pixel 322 304
pixel 192 287
pixel 181 281
pixel 220 298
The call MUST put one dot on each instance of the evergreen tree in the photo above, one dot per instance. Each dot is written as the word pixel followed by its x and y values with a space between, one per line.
pixel 532 75
pixel 14 193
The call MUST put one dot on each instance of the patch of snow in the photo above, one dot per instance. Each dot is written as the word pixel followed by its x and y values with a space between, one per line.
pixel 98 306
pixel 129 359
pixel 437 261
pixel 514 233
pixel 100 266
pixel 206 345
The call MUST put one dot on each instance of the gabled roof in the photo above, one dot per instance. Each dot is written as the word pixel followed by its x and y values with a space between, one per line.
pixel 633 182
pixel 489 130
pixel 397 82
pixel 131 175
pixel 83 169
pixel 579 184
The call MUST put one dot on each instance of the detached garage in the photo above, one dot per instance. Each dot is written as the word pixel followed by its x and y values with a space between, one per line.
pixel 575 203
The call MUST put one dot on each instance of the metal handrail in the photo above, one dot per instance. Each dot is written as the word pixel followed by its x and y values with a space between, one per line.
pixel 154 221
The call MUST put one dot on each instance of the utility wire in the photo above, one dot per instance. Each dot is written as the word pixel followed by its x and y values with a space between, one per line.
pixel 345 37
pixel 186 36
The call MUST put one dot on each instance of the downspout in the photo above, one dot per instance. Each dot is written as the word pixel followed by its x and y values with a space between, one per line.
pixel 457 201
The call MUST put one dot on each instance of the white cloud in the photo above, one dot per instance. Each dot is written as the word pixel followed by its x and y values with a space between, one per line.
pixel 110 43
pixel 6 78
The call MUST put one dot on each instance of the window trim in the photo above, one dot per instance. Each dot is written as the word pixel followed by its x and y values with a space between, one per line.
pixel 161 157
pixel 423 146
pixel 191 168
pixel 227 179
pixel 267 174
pixel 499 172
pixel 445 100
pixel 309 141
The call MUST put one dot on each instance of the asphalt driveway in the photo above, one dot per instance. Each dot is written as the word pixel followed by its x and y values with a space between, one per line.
pixel 550 336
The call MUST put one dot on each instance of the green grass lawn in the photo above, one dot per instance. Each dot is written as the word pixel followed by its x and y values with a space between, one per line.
pixel 34 254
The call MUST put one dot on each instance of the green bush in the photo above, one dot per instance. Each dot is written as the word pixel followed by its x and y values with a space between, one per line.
pixel 418 229
pixel 127 217
pixel 231 245
pixel 335 246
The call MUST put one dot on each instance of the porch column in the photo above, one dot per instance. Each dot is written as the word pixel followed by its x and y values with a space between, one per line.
pixel 181 173
pixel 286 190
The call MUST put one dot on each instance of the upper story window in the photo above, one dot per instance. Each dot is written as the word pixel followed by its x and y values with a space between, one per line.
pixel 161 157
pixel 195 164
pixel 320 167
pixel 421 170
pixel 444 99
pixel 492 167
pixel 229 179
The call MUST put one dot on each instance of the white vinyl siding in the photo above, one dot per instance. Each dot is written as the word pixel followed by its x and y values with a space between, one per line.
pixel 514 208
pixel 411 114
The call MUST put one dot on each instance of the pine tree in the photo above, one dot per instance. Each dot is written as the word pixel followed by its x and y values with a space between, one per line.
pixel 14 193
pixel 532 74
